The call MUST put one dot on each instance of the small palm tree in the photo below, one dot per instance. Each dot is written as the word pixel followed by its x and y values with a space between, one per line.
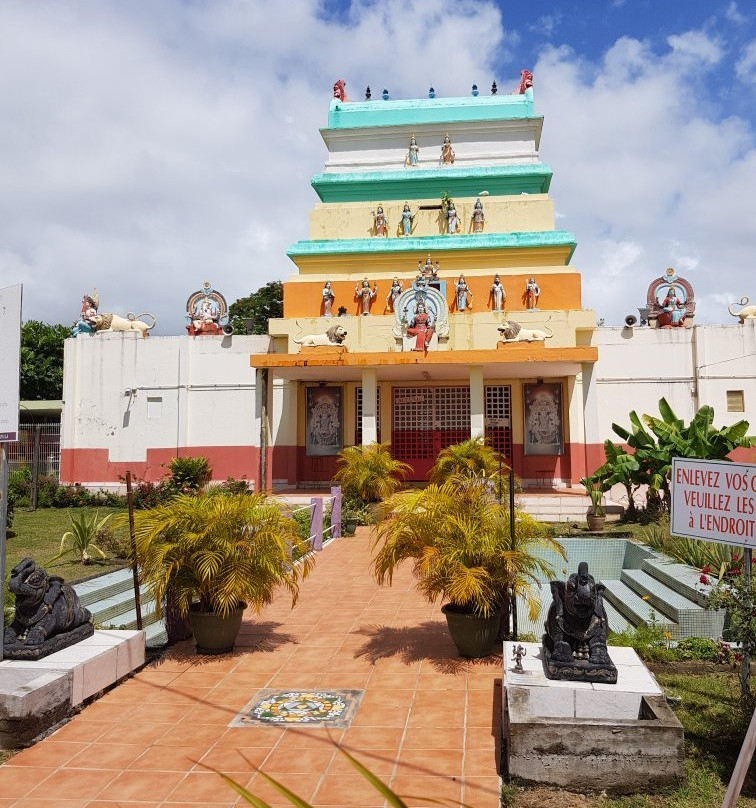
pixel 459 539
pixel 218 550
pixel 471 456
pixel 369 473
pixel 81 537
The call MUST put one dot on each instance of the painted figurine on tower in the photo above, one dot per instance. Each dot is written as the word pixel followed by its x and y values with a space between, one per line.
pixel 365 295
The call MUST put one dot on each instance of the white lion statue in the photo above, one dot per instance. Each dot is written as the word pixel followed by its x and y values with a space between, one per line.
pixel 335 335
pixel 513 332
pixel 114 322
pixel 746 312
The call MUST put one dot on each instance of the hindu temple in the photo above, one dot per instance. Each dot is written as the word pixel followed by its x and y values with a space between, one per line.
pixel 434 299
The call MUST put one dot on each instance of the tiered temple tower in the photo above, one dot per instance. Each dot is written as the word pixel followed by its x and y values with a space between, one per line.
pixel 468 173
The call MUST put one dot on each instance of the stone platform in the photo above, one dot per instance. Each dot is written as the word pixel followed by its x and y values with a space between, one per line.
pixel 586 735
pixel 36 694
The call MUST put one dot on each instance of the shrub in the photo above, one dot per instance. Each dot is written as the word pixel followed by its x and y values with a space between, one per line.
pixel 232 486
pixel 697 648
pixel 189 473
pixel 109 542
pixel 19 486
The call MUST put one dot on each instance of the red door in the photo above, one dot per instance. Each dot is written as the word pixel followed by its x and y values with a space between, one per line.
pixel 426 420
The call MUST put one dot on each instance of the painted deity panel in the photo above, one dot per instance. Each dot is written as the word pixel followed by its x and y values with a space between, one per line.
pixel 324 421
pixel 543 419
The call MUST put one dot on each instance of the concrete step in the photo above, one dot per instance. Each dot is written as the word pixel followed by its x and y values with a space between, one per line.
pixel 690 618
pixel 110 609
pixel 155 635
pixel 683 579
pixel 104 586
pixel 632 606
pixel 617 622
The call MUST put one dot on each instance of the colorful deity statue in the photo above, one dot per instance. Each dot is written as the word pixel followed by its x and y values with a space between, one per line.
pixel 478 217
pixel 429 270
pixel 447 152
pixel 452 220
pixel 421 327
pixel 526 82
pixel 328 298
pixel 207 313
pixel 365 295
pixel 412 153
pixel 380 222
pixel 532 293
pixel 671 301
pixel 339 90
pixel 462 291
pixel 672 310
pixel 407 217
pixel 394 292
pixel 87 323
pixel 498 294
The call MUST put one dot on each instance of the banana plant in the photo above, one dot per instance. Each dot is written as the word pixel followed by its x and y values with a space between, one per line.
pixel 655 441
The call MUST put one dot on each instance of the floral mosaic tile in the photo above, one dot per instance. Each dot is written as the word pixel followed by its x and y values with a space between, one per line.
pixel 300 708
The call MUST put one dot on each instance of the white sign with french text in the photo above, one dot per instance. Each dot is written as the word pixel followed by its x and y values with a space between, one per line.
pixel 714 500
pixel 10 361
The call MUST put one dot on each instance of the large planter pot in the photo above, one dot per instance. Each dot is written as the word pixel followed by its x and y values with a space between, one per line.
pixel 595 523
pixel 215 634
pixel 473 635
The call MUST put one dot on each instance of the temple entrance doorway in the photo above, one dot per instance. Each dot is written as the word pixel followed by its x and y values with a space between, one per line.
pixel 425 420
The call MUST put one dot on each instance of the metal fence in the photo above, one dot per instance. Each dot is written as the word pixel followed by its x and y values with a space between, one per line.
pixel 21 452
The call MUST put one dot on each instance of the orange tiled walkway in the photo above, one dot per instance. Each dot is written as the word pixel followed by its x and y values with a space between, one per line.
pixel 427 722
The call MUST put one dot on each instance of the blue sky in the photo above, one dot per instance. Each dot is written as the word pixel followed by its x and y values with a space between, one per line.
pixel 150 145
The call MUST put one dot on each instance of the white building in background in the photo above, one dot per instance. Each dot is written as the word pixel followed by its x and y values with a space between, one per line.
pixel 132 403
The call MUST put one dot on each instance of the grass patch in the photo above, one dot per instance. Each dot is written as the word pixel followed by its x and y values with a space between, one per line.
pixel 38 533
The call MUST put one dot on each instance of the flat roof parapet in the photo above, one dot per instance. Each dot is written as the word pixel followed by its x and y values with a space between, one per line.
pixel 416 111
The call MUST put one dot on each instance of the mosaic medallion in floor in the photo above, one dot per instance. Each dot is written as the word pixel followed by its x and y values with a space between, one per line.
pixel 300 708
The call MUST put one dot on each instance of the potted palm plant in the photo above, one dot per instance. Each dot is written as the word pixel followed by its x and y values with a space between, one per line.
pixel 368 475
pixel 596 515
pixel 460 542
pixel 215 554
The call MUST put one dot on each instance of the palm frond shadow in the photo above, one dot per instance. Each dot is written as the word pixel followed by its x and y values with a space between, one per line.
pixel 428 641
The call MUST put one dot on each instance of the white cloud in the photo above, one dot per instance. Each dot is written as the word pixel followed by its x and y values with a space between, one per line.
pixel 745 68
pixel 696 46
pixel 733 14
pixel 637 160
pixel 146 147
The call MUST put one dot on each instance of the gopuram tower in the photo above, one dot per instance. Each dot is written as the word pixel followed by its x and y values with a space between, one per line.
pixel 434 299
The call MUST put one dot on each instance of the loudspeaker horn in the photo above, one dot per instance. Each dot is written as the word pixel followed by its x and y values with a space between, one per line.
pixel 631 320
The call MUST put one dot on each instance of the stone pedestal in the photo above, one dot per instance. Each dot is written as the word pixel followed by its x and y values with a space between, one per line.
pixel 587 735
pixel 37 694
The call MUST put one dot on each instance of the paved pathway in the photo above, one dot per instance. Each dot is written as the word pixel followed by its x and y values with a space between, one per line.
pixel 428 720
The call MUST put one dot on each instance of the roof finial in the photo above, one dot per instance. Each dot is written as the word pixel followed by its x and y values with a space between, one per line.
pixel 368 94
pixel 494 88
pixel 385 94
pixel 431 92
pixel 475 89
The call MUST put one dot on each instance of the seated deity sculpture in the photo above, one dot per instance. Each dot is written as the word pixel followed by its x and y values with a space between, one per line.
pixel 207 313
pixel 574 644
pixel 48 614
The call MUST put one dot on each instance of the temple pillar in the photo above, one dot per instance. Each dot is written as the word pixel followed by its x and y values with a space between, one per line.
pixel 369 408
pixel 477 403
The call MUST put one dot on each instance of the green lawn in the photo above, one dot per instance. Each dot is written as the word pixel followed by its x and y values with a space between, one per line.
pixel 38 533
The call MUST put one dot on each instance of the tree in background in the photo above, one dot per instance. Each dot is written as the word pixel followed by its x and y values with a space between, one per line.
pixel 42 360
pixel 258 307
